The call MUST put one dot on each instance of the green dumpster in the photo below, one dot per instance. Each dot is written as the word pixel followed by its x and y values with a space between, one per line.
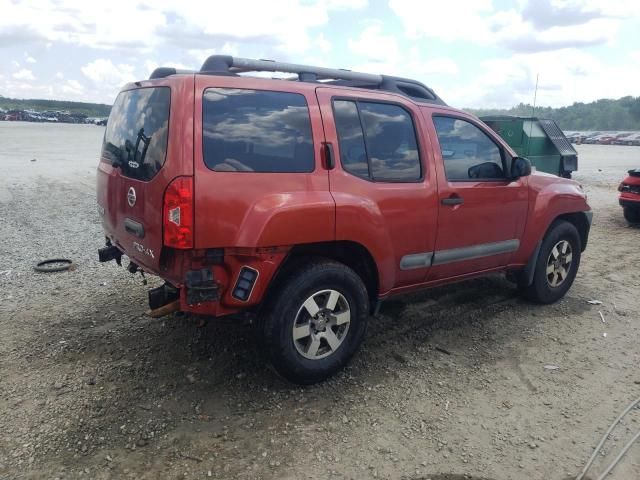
pixel 539 140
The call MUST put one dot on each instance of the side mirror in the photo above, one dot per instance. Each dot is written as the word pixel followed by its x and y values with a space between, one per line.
pixel 520 167
pixel 486 170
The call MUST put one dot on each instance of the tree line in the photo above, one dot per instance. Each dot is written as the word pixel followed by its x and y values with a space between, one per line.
pixel 89 109
pixel 604 114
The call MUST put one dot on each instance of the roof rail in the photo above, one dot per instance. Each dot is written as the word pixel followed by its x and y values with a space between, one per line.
pixel 228 65
pixel 162 72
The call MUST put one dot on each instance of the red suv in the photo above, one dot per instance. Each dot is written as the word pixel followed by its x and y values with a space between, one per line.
pixel 309 200
pixel 630 196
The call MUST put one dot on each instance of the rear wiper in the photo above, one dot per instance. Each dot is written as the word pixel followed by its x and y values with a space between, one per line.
pixel 145 140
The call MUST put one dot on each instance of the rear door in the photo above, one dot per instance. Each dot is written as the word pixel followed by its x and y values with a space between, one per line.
pixel 482 212
pixel 383 182
pixel 259 179
pixel 147 143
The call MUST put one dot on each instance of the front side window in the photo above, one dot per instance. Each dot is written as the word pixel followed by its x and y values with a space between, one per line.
pixel 256 131
pixel 377 141
pixel 137 132
pixel 467 152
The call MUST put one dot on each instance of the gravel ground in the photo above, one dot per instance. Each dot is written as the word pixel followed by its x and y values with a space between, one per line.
pixel 452 383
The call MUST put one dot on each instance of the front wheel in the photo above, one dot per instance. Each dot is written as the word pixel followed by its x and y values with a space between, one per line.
pixel 632 214
pixel 557 264
pixel 315 321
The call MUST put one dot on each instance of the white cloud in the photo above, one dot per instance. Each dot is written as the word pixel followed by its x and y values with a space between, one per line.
pixel 565 76
pixel 374 46
pixel 322 44
pixel 150 66
pixel 59 75
pixel 146 24
pixel 440 66
pixel 382 53
pixel 24 74
pixel 459 20
pixel 201 54
pixel 29 58
pixel 108 76
pixel 73 87
pixel 531 27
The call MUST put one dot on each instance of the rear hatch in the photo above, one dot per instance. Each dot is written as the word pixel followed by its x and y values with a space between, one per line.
pixel 147 144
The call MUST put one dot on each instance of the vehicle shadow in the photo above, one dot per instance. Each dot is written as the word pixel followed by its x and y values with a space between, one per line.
pixel 163 376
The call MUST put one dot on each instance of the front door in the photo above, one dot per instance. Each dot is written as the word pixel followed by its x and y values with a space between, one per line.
pixel 482 212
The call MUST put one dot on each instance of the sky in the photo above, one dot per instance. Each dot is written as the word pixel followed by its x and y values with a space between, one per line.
pixel 473 53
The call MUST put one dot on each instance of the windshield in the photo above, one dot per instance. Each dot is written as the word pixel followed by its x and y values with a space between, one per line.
pixel 136 136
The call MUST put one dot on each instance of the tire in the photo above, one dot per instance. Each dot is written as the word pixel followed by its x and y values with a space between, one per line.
pixel 553 274
pixel 323 344
pixel 632 214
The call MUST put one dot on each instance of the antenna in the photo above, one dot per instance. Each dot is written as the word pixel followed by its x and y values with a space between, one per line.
pixel 533 112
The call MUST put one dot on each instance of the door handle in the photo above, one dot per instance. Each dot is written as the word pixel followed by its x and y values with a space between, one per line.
pixel 452 200
pixel 330 159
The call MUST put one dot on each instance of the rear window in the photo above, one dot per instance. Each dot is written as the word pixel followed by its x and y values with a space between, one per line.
pixel 137 132
pixel 256 131
pixel 377 141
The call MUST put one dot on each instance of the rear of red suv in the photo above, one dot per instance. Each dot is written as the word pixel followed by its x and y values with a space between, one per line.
pixel 145 175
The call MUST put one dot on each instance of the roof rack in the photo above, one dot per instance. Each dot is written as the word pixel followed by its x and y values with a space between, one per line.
pixel 228 65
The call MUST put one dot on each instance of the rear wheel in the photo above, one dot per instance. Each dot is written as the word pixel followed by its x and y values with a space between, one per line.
pixel 315 322
pixel 632 214
pixel 557 264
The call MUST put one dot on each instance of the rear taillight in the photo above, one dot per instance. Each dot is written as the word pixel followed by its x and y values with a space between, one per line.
pixel 177 213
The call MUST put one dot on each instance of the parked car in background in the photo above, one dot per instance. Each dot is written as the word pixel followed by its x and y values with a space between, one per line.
pixel 305 203
pixel 630 196
pixel 608 139
pixel 575 137
pixel 589 137
pixel 631 139
pixel 598 139
pixel 620 136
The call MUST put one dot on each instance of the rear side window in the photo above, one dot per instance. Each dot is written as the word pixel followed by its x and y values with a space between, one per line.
pixel 256 131
pixel 467 152
pixel 377 141
pixel 353 153
pixel 137 132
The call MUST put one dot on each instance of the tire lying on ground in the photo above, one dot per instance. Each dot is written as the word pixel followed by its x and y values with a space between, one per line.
pixel 54 265
pixel 315 321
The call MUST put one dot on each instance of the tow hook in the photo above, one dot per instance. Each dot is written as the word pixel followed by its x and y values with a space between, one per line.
pixel 108 253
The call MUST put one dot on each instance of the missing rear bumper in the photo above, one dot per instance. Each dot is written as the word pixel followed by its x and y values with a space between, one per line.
pixel 201 287
pixel 163 295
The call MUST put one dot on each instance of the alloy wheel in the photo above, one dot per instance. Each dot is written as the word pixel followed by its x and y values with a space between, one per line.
pixel 559 263
pixel 321 324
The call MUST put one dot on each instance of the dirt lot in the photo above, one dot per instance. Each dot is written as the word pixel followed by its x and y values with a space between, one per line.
pixel 451 383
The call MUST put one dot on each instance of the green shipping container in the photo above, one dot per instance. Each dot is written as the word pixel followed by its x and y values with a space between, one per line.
pixel 539 140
